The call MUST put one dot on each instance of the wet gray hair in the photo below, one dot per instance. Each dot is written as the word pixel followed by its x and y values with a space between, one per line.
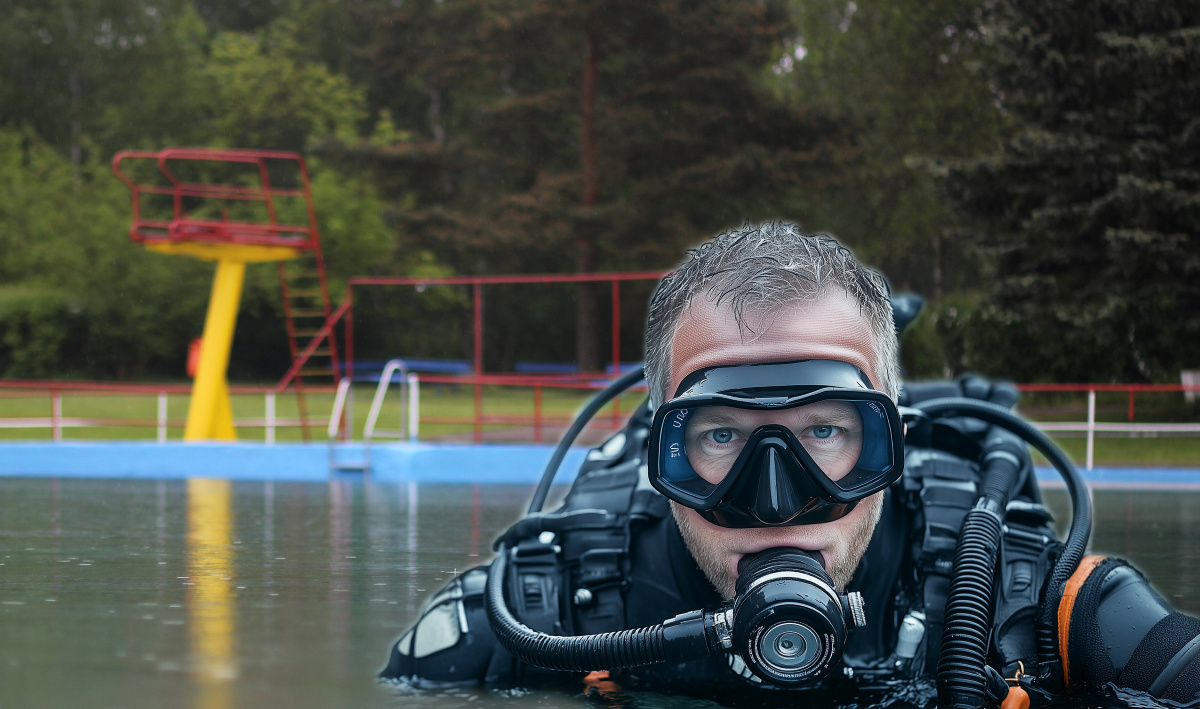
pixel 760 268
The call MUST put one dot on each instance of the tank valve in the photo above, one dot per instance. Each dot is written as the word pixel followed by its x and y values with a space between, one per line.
pixel 858 612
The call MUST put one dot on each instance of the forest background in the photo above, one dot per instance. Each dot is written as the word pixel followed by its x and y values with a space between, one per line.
pixel 1031 168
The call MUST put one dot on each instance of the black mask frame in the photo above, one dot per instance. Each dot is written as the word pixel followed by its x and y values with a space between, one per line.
pixel 773 482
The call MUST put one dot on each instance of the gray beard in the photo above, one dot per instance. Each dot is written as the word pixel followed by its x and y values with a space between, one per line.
pixel 841 570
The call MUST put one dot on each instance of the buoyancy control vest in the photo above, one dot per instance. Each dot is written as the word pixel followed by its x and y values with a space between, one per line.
pixel 570 568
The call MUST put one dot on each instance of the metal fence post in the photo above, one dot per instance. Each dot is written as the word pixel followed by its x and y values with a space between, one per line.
pixel 162 417
pixel 478 416
pixel 1091 427
pixel 537 413
pixel 56 414
pixel 349 415
pixel 270 432
pixel 414 407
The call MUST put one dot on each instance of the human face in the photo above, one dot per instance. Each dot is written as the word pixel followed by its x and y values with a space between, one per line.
pixel 830 328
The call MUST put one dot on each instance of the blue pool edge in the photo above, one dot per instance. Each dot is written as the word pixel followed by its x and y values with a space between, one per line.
pixel 418 462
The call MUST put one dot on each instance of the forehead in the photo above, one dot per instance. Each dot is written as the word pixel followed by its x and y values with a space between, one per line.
pixel 831 327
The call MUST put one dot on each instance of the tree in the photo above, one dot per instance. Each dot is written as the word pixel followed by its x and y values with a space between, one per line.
pixel 65 63
pixel 76 296
pixel 262 92
pixel 584 135
pixel 1089 209
pixel 902 76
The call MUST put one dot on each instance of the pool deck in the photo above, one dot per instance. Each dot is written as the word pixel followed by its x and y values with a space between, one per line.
pixel 417 462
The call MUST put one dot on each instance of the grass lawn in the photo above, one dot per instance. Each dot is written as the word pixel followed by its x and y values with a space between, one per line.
pixel 1181 451
pixel 135 417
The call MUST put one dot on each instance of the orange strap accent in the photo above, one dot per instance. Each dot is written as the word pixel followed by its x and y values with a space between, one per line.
pixel 1067 604
pixel 1017 698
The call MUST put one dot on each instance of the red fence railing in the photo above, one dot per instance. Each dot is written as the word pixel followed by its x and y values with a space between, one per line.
pixel 1130 389
pixel 538 420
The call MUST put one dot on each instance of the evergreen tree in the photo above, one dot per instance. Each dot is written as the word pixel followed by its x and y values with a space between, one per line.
pixel 902 77
pixel 1090 208
pixel 585 135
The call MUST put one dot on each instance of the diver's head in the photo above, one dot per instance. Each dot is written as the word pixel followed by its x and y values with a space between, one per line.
pixel 756 273
pixel 772 295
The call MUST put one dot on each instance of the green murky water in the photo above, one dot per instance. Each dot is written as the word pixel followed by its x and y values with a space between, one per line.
pixel 216 594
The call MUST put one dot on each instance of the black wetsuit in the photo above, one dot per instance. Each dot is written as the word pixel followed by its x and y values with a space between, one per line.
pixel 664 581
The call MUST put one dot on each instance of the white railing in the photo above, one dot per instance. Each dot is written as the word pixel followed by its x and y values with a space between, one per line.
pixel 344 392
pixel 1090 428
pixel 56 422
pixel 385 379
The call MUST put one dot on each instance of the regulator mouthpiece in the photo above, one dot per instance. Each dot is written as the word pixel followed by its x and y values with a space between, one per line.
pixel 789 621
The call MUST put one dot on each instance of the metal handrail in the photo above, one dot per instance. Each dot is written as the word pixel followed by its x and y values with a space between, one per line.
pixel 339 403
pixel 385 379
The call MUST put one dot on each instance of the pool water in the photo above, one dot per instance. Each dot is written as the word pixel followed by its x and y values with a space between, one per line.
pixel 213 594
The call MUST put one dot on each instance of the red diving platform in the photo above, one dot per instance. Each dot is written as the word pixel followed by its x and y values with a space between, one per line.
pixel 236 207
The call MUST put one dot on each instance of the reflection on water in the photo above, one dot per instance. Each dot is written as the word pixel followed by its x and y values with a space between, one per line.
pixel 210 602
pixel 211 594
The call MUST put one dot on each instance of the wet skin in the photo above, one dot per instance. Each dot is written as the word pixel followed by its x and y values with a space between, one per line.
pixel 830 328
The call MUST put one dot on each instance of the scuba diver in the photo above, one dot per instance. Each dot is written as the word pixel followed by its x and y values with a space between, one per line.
pixel 780 513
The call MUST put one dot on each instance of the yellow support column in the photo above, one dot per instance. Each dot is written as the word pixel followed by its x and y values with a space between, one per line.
pixel 210 416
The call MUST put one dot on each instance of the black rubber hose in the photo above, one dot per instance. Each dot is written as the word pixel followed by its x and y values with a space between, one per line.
pixel 961 681
pixel 1081 507
pixel 587 653
pixel 589 410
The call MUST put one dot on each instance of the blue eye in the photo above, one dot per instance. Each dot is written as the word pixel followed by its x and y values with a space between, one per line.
pixel 823 431
pixel 722 435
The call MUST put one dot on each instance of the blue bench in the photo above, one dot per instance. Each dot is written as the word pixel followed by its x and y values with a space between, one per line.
pixel 369 370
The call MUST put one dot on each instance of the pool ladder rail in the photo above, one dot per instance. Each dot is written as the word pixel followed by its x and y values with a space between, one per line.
pixel 341 419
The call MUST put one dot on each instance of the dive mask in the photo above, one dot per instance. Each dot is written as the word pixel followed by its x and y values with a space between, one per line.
pixel 772 445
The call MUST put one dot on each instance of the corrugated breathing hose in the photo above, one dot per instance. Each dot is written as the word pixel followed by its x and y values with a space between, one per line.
pixel 1068 561
pixel 960 675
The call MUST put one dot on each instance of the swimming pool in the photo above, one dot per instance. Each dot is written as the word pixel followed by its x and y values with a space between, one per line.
pixel 220 593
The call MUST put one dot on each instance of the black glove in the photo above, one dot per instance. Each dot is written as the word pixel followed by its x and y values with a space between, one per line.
pixel 1114 628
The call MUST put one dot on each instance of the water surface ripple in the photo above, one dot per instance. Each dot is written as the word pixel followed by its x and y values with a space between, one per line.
pixel 216 594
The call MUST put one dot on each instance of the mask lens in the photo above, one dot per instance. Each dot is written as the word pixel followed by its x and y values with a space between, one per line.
pixel 830 431
pixel 848 441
